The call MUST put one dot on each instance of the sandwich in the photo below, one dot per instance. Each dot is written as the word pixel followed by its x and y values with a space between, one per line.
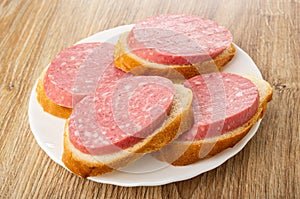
pixel 225 107
pixel 72 75
pixel 174 46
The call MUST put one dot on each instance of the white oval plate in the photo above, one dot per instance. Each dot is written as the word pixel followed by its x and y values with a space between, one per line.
pixel 48 132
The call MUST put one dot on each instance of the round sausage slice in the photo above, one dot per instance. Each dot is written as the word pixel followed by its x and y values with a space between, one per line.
pixel 124 110
pixel 178 39
pixel 74 72
pixel 221 103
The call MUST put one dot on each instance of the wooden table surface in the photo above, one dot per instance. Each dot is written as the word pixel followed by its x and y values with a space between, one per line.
pixel 33 31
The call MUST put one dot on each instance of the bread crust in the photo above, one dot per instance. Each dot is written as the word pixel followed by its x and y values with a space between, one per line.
pixel 129 62
pixel 181 153
pixel 76 165
pixel 47 104
pixel 85 165
pixel 85 168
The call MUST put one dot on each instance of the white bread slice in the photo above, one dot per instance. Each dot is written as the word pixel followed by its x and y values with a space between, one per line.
pixel 47 104
pixel 180 153
pixel 129 62
pixel 179 120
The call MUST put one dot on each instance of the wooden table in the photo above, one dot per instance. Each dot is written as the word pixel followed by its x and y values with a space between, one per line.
pixel 32 32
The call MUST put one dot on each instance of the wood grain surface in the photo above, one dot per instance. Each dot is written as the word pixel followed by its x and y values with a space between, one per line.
pixel 33 31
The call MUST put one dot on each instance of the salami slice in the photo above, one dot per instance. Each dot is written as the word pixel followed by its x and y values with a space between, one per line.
pixel 124 110
pixel 178 39
pixel 222 102
pixel 74 72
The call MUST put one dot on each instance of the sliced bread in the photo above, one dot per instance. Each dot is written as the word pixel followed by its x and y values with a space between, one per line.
pixel 179 120
pixel 47 104
pixel 127 61
pixel 180 153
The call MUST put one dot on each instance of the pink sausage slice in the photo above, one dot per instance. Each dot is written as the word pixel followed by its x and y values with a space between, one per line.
pixel 124 110
pixel 178 39
pixel 221 103
pixel 74 72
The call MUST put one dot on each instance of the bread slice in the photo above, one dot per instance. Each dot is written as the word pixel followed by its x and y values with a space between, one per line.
pixel 179 120
pixel 129 62
pixel 47 104
pixel 180 153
